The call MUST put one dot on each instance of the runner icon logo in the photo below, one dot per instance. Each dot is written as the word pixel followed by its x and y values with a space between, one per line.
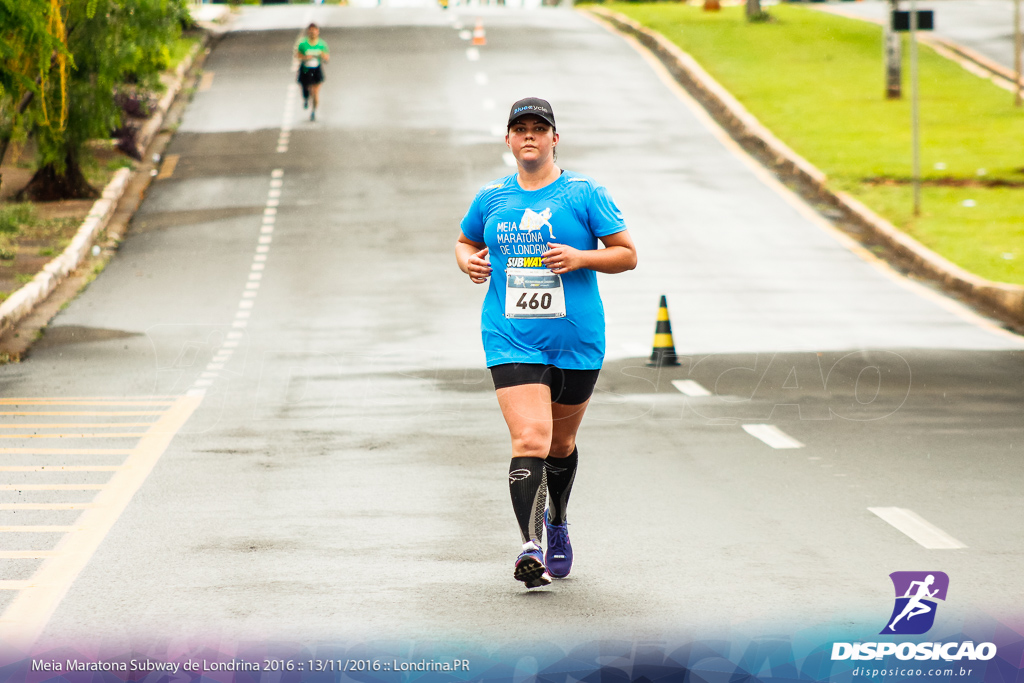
pixel 916 596
pixel 533 220
pixel 518 475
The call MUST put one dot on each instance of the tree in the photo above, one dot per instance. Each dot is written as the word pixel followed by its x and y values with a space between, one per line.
pixel 32 51
pixel 892 43
pixel 114 44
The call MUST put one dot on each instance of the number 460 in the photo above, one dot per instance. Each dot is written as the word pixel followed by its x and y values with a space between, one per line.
pixel 534 302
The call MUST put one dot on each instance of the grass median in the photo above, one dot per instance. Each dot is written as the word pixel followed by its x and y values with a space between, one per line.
pixel 816 81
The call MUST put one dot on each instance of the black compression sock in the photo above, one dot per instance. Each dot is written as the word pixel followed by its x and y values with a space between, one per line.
pixel 526 483
pixel 560 474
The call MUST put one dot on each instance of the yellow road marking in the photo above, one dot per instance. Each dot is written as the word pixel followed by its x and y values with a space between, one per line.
pixel 67 451
pixel 112 435
pixel 38 529
pixel 73 425
pixel 206 82
pixel 61 468
pixel 50 487
pixel 98 413
pixel 27 614
pixel 10 585
pixel 45 506
pixel 167 168
pixel 25 554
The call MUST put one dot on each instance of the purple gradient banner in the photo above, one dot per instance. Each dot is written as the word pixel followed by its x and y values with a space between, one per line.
pixel 984 653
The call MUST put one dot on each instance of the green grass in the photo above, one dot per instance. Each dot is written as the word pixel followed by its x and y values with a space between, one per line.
pixel 178 50
pixel 816 81
pixel 15 216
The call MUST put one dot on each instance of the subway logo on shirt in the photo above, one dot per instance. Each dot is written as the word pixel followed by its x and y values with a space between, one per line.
pixel 524 262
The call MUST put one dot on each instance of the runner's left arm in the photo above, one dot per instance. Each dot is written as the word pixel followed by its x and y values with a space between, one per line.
pixel 618 255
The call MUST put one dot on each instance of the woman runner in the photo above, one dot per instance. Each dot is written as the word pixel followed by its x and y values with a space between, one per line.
pixel 311 52
pixel 536 232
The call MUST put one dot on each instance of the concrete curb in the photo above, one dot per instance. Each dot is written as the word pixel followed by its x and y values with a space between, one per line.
pixel 1005 301
pixel 21 303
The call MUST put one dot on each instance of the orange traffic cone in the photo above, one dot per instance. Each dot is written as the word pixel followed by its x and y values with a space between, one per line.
pixel 479 37
pixel 664 352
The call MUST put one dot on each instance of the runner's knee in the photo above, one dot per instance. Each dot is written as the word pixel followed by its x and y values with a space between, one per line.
pixel 531 443
pixel 562 448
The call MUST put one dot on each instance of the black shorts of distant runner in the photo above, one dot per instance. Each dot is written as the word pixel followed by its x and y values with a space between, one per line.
pixel 311 75
pixel 568 387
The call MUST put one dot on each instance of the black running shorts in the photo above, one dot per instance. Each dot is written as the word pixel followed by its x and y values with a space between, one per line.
pixel 568 387
pixel 310 75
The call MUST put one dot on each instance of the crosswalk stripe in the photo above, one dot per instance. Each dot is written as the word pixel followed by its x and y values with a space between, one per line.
pixel 917 528
pixel 772 435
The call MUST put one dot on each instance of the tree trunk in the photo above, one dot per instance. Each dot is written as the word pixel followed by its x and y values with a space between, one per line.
pixel 753 9
pixel 892 44
pixel 47 186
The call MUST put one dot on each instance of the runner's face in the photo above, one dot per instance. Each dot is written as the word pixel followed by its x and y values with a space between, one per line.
pixel 313 33
pixel 531 140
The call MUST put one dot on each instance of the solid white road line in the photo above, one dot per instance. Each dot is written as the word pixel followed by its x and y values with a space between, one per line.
pixel 913 525
pixel 772 435
pixel 690 388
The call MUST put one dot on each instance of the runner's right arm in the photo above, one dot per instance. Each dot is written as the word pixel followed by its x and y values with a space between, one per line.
pixel 472 259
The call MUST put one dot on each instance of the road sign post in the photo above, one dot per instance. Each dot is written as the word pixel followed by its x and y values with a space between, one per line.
pixel 915 21
pixel 914 118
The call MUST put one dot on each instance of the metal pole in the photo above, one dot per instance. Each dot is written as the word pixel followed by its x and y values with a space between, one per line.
pixel 914 119
pixel 1018 44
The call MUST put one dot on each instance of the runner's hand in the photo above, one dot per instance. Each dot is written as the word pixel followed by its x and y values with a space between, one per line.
pixel 479 267
pixel 561 259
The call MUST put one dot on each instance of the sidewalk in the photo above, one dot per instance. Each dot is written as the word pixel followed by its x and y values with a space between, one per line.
pixel 209 12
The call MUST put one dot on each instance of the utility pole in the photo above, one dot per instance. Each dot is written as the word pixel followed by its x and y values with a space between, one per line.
pixel 914 118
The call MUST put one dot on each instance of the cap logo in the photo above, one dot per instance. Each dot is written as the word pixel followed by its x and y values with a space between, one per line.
pixel 529 106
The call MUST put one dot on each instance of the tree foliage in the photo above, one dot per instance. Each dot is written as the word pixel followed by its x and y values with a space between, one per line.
pixel 34 65
pixel 112 44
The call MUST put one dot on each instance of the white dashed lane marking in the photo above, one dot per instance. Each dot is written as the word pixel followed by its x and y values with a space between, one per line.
pixel 913 525
pixel 690 388
pixel 772 435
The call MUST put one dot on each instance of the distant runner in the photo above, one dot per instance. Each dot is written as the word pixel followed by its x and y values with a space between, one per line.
pixel 542 320
pixel 312 52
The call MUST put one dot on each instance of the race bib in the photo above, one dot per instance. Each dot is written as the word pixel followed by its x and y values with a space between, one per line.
pixel 312 58
pixel 533 293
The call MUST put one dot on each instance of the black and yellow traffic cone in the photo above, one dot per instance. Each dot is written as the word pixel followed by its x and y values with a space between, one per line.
pixel 664 352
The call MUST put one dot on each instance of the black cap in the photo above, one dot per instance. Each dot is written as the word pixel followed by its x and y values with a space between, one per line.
pixel 532 106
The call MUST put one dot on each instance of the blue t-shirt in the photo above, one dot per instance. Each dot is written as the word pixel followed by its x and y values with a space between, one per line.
pixel 516 225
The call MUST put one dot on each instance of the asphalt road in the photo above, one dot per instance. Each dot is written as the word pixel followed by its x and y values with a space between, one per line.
pixel 341 474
